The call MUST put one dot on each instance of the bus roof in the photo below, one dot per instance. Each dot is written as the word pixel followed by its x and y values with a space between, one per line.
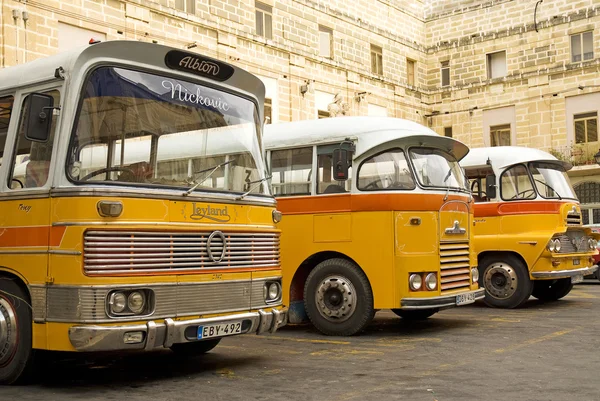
pixel 128 52
pixel 367 131
pixel 501 157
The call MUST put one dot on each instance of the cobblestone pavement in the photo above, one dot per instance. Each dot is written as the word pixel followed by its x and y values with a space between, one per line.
pixel 539 352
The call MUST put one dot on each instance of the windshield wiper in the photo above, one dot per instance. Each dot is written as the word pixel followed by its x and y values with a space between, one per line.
pixel 242 196
pixel 212 170
pixel 549 187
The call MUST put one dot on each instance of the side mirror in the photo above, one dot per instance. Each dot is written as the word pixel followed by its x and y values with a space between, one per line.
pixel 490 186
pixel 39 117
pixel 340 164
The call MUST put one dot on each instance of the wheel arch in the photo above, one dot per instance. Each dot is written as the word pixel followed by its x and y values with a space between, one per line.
pixel 297 313
pixel 6 273
pixel 487 254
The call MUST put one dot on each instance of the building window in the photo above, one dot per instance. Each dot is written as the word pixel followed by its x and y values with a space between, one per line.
pixel 496 65
pixel 582 47
pixel 264 20
pixel 322 114
pixel 376 60
pixel 448 132
pixel 410 72
pixel 268 110
pixel 500 135
pixel 445 70
pixel 188 6
pixel 325 42
pixel 586 127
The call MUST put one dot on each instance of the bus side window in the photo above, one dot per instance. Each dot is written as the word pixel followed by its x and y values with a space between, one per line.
pixel 326 183
pixel 31 160
pixel 291 171
pixel 6 106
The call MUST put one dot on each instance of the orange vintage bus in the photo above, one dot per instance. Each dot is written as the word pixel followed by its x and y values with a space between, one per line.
pixel 376 215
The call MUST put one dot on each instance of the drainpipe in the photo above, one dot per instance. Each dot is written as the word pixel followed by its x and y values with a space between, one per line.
pixel 25 19
pixel 15 14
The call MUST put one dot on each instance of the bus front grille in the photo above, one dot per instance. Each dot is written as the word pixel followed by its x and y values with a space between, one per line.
pixel 455 269
pixel 573 219
pixel 136 252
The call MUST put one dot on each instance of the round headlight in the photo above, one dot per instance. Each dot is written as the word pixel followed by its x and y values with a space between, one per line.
pixel 557 245
pixel 475 274
pixel 276 216
pixel 431 281
pixel 551 245
pixel 136 302
pixel 117 302
pixel 273 291
pixel 415 281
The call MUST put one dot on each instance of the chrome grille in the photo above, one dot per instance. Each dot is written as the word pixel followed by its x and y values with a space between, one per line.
pixel 455 269
pixel 573 219
pixel 122 252
pixel 88 304
pixel 570 240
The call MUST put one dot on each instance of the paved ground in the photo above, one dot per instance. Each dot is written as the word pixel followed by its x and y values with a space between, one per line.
pixel 539 352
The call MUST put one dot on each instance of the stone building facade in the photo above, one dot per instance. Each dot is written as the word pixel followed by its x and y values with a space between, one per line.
pixel 487 72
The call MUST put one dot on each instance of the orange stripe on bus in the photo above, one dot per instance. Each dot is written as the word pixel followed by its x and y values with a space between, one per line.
pixel 370 202
pixel 16 237
pixel 511 208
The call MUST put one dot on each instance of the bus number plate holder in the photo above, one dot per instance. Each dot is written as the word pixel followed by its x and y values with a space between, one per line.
pixel 464 299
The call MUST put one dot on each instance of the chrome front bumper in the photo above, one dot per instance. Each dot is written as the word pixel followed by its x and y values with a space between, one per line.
pixel 445 301
pixel 169 332
pixel 564 273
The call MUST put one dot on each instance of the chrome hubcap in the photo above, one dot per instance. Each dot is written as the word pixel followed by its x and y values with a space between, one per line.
pixel 336 298
pixel 8 331
pixel 500 281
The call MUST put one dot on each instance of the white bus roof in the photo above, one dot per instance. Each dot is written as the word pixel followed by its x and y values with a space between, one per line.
pixel 501 157
pixel 368 132
pixel 126 52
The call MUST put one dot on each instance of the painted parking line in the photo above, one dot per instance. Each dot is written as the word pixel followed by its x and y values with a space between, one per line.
pixel 535 340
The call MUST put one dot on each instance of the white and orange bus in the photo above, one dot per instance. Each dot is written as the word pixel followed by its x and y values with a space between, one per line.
pixel 135 212
pixel 528 229
pixel 377 214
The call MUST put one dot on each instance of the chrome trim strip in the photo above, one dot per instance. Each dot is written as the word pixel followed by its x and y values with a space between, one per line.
pixel 61 252
pixel 127 286
pixel 153 223
pixel 564 273
pixel 444 301
pixel 146 193
pixel 528 242
pixel 171 300
pixel 168 332
pixel 40 252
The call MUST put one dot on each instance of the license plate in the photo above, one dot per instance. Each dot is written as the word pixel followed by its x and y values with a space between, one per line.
pixel 219 330
pixel 576 262
pixel 464 299
pixel 577 279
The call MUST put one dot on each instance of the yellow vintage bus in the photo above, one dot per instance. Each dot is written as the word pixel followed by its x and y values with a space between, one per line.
pixel 376 215
pixel 528 229
pixel 135 208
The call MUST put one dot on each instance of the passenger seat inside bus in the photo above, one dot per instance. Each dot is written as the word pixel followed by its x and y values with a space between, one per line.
pixel 334 189
pixel 36 173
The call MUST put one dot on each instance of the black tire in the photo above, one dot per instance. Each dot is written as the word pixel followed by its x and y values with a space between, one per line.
pixel 552 290
pixel 506 281
pixel 345 306
pixel 16 353
pixel 417 314
pixel 195 348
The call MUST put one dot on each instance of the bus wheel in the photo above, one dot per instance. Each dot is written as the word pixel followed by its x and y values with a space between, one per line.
pixel 506 281
pixel 338 298
pixel 417 314
pixel 16 354
pixel 195 348
pixel 552 290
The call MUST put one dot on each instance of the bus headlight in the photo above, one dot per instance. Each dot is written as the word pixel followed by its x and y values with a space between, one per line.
pixel 272 291
pixel 557 245
pixel 117 302
pixel 136 302
pixel 415 282
pixel 431 281
pixel 474 274
pixel 276 216
pixel 551 245
pixel 592 243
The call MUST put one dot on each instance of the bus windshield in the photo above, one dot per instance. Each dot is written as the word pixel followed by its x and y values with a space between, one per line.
pixel 137 128
pixel 551 180
pixel 437 168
